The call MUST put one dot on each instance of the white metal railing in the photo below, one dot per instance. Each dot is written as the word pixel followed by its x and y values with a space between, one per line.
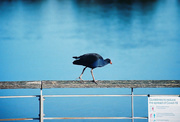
pixel 42 98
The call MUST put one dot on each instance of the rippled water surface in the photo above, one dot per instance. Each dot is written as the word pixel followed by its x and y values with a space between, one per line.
pixel 39 38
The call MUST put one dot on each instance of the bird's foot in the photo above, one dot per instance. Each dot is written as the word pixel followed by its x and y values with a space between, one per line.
pixel 95 81
pixel 80 78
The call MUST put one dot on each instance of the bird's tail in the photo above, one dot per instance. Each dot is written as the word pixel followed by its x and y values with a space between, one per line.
pixel 75 57
pixel 77 61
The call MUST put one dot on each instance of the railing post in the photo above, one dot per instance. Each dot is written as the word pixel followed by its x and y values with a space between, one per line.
pixel 41 106
pixel 132 105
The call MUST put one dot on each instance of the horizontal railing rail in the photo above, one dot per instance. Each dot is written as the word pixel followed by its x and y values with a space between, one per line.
pixel 89 84
pixel 86 84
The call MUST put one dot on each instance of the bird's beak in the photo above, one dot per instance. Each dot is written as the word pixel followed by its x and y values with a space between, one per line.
pixel 110 62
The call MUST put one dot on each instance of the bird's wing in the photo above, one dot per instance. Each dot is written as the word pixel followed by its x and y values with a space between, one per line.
pixel 90 58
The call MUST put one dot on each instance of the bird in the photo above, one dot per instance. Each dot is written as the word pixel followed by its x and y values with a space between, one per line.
pixel 91 60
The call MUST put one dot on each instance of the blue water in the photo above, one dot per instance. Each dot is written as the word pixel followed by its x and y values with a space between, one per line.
pixel 39 38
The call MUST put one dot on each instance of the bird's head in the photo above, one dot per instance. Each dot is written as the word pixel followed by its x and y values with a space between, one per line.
pixel 108 61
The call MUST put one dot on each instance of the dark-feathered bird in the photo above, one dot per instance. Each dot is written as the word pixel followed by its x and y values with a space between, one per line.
pixel 91 60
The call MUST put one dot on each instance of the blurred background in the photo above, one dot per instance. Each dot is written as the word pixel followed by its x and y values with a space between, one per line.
pixel 39 37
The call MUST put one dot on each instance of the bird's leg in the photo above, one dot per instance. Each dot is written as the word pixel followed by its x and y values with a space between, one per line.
pixel 93 76
pixel 82 74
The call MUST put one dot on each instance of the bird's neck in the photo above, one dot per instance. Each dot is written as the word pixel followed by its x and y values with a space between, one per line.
pixel 102 63
pixel 105 62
